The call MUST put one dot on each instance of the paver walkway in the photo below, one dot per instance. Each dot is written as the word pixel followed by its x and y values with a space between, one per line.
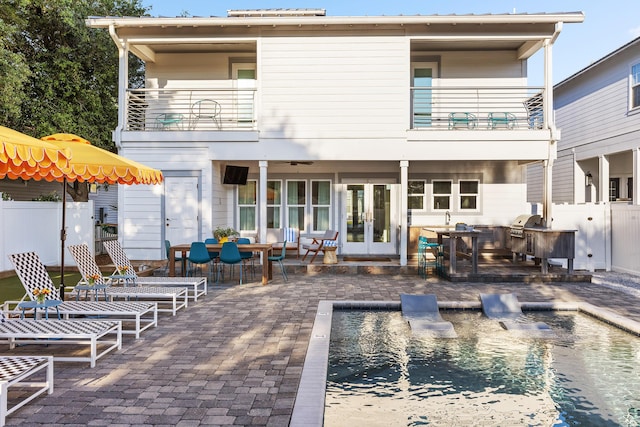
pixel 235 358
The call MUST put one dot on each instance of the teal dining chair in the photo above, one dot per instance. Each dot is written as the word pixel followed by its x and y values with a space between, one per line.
pixel 230 255
pixel 198 256
pixel 279 258
pixel 247 257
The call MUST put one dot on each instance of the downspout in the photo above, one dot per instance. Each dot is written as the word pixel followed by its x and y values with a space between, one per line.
pixel 554 134
pixel 123 78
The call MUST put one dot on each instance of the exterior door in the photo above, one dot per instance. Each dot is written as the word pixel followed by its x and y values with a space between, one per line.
pixel 181 209
pixel 423 77
pixel 370 219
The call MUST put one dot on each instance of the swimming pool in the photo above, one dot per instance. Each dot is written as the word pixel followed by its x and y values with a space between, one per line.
pixel 381 374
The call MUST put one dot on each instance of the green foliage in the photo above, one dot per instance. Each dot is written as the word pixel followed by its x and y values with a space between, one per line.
pixel 58 75
pixel 51 197
pixel 6 196
pixel 221 232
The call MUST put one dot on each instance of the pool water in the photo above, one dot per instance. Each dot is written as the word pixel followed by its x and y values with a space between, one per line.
pixel 380 374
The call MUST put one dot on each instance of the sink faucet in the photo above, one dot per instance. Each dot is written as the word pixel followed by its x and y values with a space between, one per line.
pixel 447 218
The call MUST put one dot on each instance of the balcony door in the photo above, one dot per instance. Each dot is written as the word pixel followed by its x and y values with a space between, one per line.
pixel 370 219
pixel 423 75
pixel 244 77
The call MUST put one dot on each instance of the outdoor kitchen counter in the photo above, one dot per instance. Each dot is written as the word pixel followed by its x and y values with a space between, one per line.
pixel 545 243
pixel 453 235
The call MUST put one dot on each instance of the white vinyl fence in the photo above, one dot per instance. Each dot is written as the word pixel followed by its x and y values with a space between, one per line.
pixel 625 238
pixel 35 227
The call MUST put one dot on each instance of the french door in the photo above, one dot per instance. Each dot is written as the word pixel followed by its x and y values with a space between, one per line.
pixel 369 219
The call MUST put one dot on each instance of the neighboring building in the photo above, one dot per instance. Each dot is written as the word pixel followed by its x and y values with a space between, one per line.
pixel 598 112
pixel 372 126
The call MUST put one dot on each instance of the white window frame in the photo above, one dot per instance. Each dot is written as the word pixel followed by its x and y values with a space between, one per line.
pixel 313 206
pixel 434 195
pixel 276 205
pixel 634 84
pixel 254 205
pixel 416 195
pixel 461 194
pixel 304 205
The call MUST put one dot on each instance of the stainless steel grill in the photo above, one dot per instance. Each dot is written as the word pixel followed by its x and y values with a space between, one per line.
pixel 522 222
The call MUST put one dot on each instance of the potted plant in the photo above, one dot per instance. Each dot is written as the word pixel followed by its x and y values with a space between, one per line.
pixel 222 234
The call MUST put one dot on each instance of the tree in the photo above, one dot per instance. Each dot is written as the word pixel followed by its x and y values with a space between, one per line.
pixel 58 75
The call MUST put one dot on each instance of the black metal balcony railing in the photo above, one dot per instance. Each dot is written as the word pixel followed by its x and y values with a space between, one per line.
pixel 191 109
pixel 477 108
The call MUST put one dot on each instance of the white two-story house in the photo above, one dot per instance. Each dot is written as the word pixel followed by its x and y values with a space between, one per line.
pixel 375 126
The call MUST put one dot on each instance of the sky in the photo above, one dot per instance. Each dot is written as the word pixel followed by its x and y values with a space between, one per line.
pixel 608 25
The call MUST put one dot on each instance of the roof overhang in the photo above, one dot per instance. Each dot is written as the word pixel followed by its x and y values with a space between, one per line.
pixel 149 36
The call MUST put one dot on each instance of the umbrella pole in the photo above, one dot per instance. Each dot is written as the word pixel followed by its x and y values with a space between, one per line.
pixel 63 235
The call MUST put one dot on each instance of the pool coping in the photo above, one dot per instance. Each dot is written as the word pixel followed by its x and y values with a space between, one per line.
pixel 308 410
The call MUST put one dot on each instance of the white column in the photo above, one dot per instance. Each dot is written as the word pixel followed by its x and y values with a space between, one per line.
pixel 603 179
pixel 262 202
pixel 635 191
pixel 404 209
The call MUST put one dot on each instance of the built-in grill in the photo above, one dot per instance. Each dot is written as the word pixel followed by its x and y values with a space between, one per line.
pixel 522 222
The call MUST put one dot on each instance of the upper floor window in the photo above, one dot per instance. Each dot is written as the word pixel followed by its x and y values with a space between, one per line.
pixel 635 85
pixel 274 201
pixel 247 204
pixel 441 195
pixel 321 205
pixel 469 194
pixel 416 195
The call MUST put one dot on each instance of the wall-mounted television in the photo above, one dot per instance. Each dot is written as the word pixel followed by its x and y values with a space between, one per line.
pixel 235 175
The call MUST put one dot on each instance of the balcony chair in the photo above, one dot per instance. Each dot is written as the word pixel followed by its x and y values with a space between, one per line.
pixel 467 120
pixel 279 259
pixel 508 120
pixel 206 109
pixel 330 237
pixel 165 120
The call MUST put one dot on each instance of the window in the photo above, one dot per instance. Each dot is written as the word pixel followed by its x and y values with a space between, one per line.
pixel 635 85
pixel 416 195
pixel 321 205
pixel 247 198
pixel 441 195
pixel 274 203
pixel 469 195
pixel 614 189
pixel 296 202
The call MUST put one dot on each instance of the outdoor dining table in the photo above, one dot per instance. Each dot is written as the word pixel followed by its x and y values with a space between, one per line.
pixel 266 249
pixel 453 238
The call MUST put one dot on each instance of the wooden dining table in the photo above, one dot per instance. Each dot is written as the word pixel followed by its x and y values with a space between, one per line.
pixel 453 235
pixel 266 249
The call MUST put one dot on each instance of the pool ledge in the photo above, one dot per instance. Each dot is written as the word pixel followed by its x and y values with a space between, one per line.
pixel 308 410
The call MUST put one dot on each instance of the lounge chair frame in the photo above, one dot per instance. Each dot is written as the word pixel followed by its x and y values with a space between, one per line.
pixel 197 285
pixel 175 297
pixel 101 336
pixel 135 316
pixel 17 371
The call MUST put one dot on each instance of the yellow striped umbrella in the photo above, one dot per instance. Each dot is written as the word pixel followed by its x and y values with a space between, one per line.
pixel 22 156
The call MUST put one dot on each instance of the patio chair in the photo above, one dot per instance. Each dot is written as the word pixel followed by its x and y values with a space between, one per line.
pixel 175 297
pixel 101 336
pixel 206 109
pixel 330 237
pixel 165 120
pixel 247 257
pixel 197 286
pixel 21 371
pixel 279 259
pixel 230 254
pixel 290 234
pixel 167 247
pixel 198 255
pixel 135 316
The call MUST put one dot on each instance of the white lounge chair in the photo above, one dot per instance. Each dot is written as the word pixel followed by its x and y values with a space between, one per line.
pixel 135 316
pixel 175 297
pixel 18 372
pixel 197 285
pixel 102 336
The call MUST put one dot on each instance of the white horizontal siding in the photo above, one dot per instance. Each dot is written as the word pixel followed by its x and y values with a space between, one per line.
pixel 535 183
pixel 563 179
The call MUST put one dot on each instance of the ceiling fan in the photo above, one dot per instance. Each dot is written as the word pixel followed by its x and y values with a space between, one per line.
pixel 295 162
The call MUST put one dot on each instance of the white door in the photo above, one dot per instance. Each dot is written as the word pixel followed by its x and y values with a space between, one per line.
pixel 369 219
pixel 181 203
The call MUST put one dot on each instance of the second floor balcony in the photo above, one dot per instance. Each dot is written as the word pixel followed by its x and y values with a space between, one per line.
pixel 432 108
